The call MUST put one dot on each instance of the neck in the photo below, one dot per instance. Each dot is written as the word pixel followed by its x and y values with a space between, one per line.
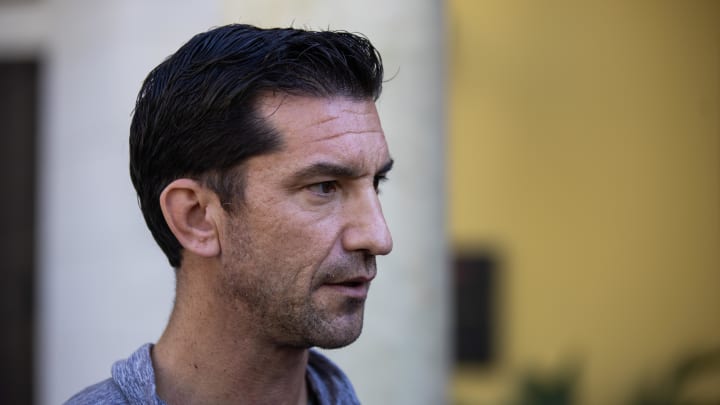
pixel 209 353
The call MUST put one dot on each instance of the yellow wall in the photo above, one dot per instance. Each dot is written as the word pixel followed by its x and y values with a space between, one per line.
pixel 585 149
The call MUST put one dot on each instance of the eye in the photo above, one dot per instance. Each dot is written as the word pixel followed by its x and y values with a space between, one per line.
pixel 323 188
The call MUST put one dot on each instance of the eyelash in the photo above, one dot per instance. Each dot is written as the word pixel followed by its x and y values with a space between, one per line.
pixel 377 180
pixel 322 184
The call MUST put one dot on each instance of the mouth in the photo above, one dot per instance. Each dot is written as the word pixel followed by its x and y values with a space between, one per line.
pixel 353 288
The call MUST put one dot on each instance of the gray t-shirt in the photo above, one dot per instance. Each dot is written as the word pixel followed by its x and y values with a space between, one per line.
pixel 133 383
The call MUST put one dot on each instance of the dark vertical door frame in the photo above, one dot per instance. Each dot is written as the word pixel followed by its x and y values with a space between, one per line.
pixel 18 167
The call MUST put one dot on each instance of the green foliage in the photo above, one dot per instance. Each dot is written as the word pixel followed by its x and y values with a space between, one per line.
pixel 671 390
pixel 548 389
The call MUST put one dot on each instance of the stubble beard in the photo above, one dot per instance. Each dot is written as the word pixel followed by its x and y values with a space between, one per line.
pixel 280 309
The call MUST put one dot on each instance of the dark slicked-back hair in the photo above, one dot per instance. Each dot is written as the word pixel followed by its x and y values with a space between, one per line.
pixel 196 115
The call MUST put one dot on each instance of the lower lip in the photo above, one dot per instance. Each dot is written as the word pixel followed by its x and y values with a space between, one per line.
pixel 357 291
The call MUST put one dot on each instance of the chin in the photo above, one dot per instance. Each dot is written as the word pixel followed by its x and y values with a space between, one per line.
pixel 339 333
pixel 336 342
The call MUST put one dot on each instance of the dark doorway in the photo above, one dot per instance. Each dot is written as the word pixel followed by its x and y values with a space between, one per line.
pixel 18 136
pixel 475 309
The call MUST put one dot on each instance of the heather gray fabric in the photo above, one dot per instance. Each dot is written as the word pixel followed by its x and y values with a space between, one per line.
pixel 133 383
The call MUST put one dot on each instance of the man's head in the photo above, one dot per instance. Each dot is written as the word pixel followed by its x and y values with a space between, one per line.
pixel 197 114
pixel 257 156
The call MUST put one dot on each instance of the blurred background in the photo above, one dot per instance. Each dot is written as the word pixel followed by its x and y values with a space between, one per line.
pixel 555 205
pixel 584 169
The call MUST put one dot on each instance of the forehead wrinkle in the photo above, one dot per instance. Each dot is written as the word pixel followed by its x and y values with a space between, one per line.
pixel 343 133
pixel 321 121
pixel 327 119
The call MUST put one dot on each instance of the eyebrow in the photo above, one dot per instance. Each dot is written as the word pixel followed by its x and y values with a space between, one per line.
pixel 321 169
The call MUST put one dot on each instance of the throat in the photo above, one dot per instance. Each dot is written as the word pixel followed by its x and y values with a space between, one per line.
pixel 196 364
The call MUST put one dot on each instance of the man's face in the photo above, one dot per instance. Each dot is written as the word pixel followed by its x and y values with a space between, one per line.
pixel 299 251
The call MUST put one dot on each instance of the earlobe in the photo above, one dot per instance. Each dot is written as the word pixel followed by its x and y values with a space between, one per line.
pixel 187 206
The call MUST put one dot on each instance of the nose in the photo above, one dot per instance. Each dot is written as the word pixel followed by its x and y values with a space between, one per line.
pixel 366 228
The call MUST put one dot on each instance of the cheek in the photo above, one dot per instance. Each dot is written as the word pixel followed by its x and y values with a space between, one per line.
pixel 292 214
pixel 297 239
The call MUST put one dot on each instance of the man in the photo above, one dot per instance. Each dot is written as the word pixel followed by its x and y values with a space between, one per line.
pixel 257 156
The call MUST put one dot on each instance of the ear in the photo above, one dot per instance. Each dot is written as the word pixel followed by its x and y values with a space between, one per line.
pixel 187 207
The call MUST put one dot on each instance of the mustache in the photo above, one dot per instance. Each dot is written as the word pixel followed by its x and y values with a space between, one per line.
pixel 348 267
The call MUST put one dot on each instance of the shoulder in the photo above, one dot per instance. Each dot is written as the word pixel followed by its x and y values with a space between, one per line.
pixel 104 392
pixel 328 383
pixel 132 382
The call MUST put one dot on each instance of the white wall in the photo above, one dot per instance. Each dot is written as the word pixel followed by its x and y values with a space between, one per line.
pixel 104 287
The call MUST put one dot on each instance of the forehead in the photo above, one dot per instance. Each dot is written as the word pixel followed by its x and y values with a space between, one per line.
pixel 341 127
